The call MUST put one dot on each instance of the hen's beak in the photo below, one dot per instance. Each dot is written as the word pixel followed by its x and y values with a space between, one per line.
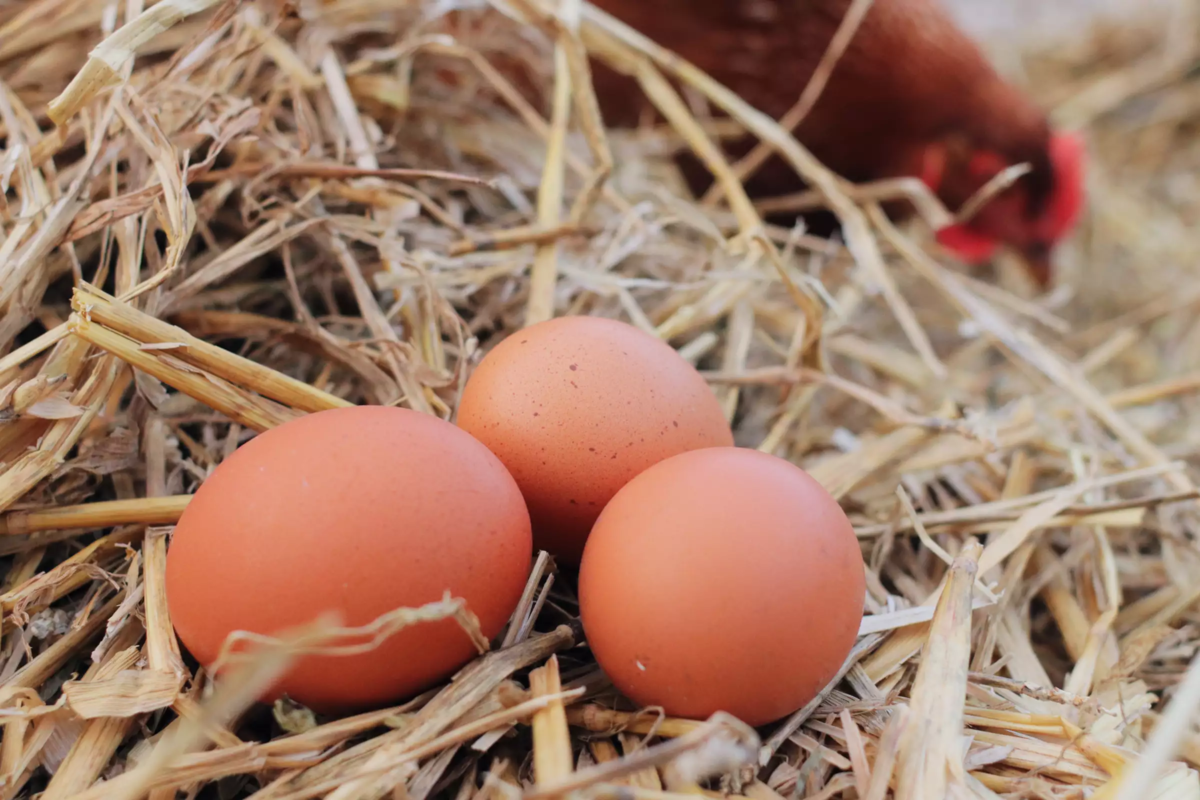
pixel 1037 259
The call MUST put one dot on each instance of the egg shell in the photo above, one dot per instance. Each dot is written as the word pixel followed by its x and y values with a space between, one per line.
pixel 360 511
pixel 722 580
pixel 577 406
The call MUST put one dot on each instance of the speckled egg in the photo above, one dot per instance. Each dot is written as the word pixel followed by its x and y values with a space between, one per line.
pixel 577 406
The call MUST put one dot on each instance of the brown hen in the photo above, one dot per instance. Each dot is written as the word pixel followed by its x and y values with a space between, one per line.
pixel 911 95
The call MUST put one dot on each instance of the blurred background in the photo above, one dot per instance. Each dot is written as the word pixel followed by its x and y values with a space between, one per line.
pixel 1042 23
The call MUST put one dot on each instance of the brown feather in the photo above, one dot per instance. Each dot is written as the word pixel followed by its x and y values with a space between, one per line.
pixel 909 78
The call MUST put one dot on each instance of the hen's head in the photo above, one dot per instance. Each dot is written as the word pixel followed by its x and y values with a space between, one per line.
pixel 1031 216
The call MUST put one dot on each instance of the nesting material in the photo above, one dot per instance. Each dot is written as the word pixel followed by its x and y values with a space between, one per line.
pixel 221 215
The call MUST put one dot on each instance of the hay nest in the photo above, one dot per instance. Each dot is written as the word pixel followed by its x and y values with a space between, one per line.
pixel 270 211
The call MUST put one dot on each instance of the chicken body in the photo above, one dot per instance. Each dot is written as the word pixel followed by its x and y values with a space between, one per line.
pixel 909 86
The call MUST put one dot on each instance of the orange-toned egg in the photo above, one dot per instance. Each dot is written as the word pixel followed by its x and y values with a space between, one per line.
pixel 722 580
pixel 577 406
pixel 358 511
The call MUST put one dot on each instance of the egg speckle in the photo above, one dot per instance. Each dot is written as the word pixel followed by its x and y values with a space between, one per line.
pixel 358 511
pixel 722 579
pixel 577 406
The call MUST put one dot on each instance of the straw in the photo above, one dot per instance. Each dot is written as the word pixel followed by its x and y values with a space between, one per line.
pixel 221 216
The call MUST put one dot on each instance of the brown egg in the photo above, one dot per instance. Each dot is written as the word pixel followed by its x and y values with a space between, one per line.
pixel 577 406
pixel 359 511
pixel 722 580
